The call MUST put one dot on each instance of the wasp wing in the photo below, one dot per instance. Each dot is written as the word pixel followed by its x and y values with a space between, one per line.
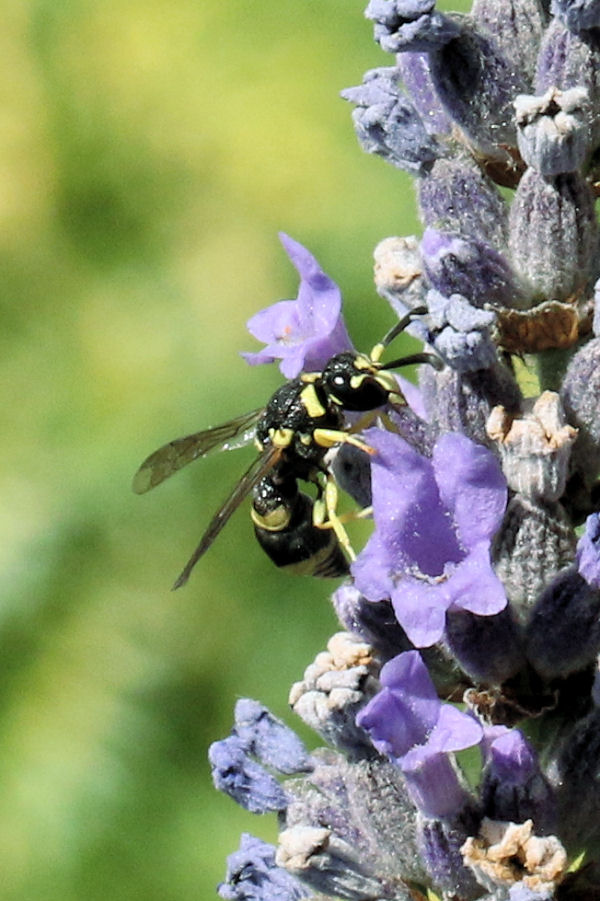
pixel 260 467
pixel 176 454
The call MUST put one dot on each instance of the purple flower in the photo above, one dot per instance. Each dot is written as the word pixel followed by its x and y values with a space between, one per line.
pixel 514 787
pixel 469 266
pixel 407 713
pixel 578 15
pixel 434 521
pixel 387 123
pixel 461 333
pixel 409 25
pixel 269 739
pixel 252 875
pixel 588 551
pixel 244 780
pixel 256 734
pixel 303 333
pixel 407 721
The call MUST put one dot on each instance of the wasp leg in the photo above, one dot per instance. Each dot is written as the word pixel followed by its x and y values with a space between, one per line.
pixel 348 517
pixel 366 420
pixel 331 437
pixel 325 516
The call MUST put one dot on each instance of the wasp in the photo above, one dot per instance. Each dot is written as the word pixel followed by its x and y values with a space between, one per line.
pixel 293 434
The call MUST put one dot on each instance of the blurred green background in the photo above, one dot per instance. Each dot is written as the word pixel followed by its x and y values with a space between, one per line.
pixel 150 150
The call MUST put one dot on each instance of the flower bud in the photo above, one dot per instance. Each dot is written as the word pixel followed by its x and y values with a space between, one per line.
pixel 580 394
pixel 534 448
pixel 514 787
pixel 576 776
pixel 516 27
pixel 327 863
pixel 244 780
pixel 569 60
pixel 252 875
pixel 462 402
pixel 456 197
pixel 476 85
pixel 536 540
pixel 440 843
pixel 563 634
pixel 553 235
pixel 416 75
pixel 334 688
pixel 460 333
pixel 505 854
pixel 486 647
pixel 554 133
pixel 409 25
pixel 470 267
pixel 269 739
pixel 373 622
pixel 387 123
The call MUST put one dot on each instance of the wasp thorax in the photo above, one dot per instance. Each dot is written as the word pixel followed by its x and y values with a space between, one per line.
pixel 354 382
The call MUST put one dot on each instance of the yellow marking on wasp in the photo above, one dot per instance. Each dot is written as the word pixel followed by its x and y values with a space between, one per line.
pixel 331 437
pixel 281 437
pixel 309 377
pixel 361 361
pixel 356 381
pixel 319 514
pixel 388 381
pixel 377 352
pixel 274 521
pixel 397 398
pixel 311 402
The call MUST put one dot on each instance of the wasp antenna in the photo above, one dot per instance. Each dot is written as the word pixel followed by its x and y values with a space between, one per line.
pixel 412 359
pixel 401 325
pixel 183 576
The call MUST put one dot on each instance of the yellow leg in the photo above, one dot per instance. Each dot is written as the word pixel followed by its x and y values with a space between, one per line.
pixel 331 437
pixel 366 420
pixel 333 520
pixel 348 517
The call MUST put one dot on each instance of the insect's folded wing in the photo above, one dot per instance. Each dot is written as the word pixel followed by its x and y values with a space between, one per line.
pixel 173 456
pixel 260 467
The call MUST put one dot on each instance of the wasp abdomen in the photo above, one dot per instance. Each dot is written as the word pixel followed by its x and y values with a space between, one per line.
pixel 284 528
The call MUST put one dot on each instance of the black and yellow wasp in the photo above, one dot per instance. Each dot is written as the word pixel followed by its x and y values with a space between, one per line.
pixel 302 421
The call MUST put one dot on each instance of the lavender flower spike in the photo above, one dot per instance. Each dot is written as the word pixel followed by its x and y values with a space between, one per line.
pixel 303 333
pixel 434 522
pixel 477 585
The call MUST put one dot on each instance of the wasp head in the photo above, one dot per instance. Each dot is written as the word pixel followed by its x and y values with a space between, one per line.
pixel 356 382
